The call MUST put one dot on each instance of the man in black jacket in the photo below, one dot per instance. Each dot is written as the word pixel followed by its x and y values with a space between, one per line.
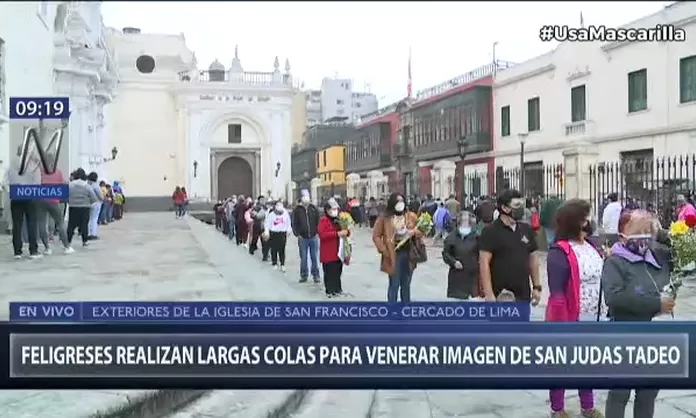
pixel 305 219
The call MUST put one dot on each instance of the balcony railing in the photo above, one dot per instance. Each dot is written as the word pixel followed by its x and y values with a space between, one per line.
pixel 479 73
pixel 258 78
pixel 578 128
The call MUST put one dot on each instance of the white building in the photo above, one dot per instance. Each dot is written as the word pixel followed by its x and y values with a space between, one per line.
pixel 621 100
pixel 337 99
pixel 217 132
pixel 58 49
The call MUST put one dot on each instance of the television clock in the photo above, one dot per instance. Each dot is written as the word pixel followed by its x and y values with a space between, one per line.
pixel 39 107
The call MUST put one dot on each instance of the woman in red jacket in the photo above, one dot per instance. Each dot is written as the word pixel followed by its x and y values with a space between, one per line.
pixel 330 233
pixel 179 198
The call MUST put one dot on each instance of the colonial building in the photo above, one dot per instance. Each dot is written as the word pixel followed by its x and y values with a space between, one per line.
pixel 613 101
pixel 331 169
pixel 218 132
pixel 304 169
pixel 371 154
pixel 69 56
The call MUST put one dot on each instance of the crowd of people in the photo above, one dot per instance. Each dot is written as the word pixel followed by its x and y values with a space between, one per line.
pixel 91 203
pixel 490 246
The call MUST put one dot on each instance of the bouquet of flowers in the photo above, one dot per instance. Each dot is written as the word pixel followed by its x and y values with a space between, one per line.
pixel 345 246
pixel 683 237
pixel 424 224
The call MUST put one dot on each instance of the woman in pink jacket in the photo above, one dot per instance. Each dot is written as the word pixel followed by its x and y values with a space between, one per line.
pixel 574 267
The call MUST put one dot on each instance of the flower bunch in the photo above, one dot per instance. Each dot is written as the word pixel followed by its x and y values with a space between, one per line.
pixel 424 224
pixel 683 237
pixel 345 220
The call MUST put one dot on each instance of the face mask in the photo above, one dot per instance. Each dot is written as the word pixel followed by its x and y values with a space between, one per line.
pixel 638 244
pixel 588 228
pixel 515 213
pixel 464 231
pixel 305 199
pixel 400 206
pixel 333 213
pixel 279 208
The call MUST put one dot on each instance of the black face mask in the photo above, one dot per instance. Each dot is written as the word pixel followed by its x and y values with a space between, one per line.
pixel 516 213
pixel 588 228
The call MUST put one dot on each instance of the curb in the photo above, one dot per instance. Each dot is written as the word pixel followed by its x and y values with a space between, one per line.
pixel 154 404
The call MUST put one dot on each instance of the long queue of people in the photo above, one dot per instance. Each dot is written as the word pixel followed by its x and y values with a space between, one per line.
pixel 91 203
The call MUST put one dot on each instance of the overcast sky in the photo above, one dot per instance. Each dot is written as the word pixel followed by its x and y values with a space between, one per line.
pixel 367 41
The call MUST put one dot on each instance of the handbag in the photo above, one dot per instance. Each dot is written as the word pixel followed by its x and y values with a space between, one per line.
pixel 417 253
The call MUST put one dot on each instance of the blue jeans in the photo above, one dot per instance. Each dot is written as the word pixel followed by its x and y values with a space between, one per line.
pixel 400 281
pixel 550 236
pixel 230 229
pixel 308 254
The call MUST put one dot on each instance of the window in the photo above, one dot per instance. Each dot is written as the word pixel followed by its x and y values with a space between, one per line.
pixel 339 101
pixel 505 121
pixel 533 115
pixel 234 133
pixel 578 109
pixel 324 157
pixel 638 90
pixel 687 79
pixel 145 64
pixel 347 86
pixel 358 105
pixel 316 160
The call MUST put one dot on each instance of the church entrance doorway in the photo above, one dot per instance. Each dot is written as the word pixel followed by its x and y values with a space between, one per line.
pixel 234 177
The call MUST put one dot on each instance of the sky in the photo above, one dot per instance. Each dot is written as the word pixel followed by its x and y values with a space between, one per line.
pixel 368 42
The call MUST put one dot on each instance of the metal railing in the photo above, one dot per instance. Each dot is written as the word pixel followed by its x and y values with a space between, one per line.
pixel 248 77
pixel 476 74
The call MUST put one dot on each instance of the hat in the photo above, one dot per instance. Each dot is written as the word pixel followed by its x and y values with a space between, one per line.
pixel 304 193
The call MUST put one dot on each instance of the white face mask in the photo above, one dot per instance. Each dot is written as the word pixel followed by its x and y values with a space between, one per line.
pixel 333 213
pixel 278 208
pixel 400 206
pixel 305 199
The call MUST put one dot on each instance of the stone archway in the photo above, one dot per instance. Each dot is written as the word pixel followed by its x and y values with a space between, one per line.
pixel 235 177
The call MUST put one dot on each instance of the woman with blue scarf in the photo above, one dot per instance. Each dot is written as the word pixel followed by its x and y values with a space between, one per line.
pixel 460 253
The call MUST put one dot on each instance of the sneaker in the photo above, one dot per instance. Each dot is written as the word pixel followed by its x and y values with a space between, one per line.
pixel 559 414
pixel 316 279
pixel 330 295
pixel 591 413
pixel 303 280
pixel 274 266
pixel 85 244
pixel 47 251
pixel 282 269
pixel 35 256
pixel 18 257
pixel 68 250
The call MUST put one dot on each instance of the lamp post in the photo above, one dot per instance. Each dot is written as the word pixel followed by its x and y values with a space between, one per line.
pixel 195 168
pixel 462 145
pixel 523 139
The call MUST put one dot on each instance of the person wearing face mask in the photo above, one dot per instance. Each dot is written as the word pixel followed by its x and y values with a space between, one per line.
pixel 231 221
pixel 392 227
pixel 276 232
pixel 507 253
pixel 305 221
pixel 633 280
pixel 574 265
pixel 460 253
pixel 330 233
pixel 241 229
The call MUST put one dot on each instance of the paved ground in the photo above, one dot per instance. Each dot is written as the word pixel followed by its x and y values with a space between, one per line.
pixel 154 257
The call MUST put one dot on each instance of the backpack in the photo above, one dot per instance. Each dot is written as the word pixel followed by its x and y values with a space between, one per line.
pixel 535 221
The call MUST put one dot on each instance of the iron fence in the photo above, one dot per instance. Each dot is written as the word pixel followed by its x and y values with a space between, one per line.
pixel 332 190
pixel 651 184
pixel 540 180
pixel 417 186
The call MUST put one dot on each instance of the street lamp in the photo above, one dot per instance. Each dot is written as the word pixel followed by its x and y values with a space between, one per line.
pixel 195 168
pixel 277 170
pixel 523 139
pixel 462 145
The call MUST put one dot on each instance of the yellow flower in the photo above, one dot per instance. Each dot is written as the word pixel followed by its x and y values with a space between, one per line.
pixel 678 228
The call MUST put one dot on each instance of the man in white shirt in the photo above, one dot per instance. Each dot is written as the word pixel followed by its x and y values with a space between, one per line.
pixel 610 219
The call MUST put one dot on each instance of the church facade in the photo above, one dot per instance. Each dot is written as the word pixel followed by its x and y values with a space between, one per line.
pixel 217 132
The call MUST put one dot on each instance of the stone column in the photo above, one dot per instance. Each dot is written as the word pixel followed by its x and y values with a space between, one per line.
pixel 577 162
pixel 79 89
pixel 100 139
pixel 352 184
pixel 373 179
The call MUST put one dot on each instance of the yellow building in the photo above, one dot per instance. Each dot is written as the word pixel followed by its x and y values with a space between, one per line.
pixel 331 164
